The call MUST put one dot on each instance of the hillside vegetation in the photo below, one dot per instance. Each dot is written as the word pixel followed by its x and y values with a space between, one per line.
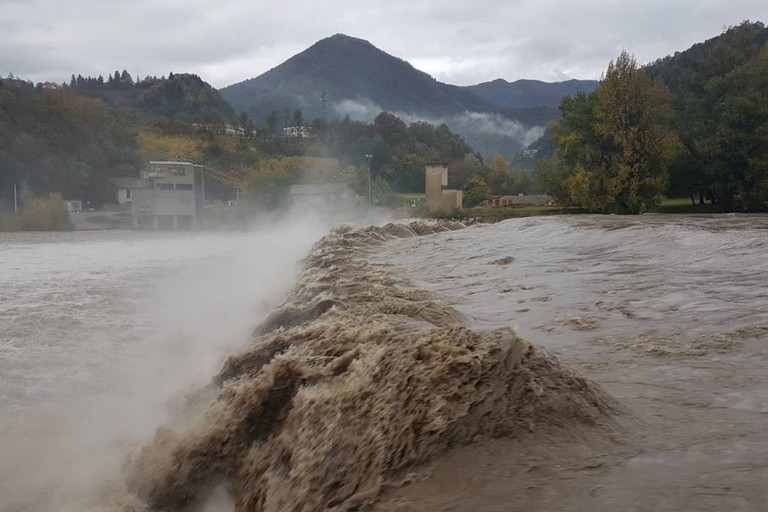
pixel 180 96
pixel 343 75
pixel 694 124
pixel 69 140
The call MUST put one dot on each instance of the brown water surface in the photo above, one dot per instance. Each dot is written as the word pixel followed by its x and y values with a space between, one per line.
pixel 668 313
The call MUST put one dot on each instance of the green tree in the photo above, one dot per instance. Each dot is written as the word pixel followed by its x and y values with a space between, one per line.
pixel 298 117
pixel 499 180
pixel 476 190
pixel 272 120
pixel 551 177
pixel 246 123
pixel 519 182
pixel 720 96
pixel 618 142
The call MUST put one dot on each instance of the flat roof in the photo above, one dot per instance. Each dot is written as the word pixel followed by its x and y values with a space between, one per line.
pixel 168 162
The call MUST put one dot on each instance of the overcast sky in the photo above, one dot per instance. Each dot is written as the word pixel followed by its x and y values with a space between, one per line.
pixel 458 42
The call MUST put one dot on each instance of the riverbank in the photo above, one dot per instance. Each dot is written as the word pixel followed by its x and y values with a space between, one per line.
pixel 497 214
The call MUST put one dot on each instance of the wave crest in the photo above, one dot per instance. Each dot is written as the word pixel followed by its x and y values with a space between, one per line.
pixel 356 378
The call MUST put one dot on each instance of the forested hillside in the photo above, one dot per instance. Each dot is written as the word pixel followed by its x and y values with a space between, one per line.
pixel 71 139
pixel 342 75
pixel 720 96
pixel 57 141
pixel 524 94
pixel 181 95
pixel 691 125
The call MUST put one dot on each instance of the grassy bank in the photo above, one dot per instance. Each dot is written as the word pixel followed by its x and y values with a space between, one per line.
pixel 9 222
pixel 684 205
pixel 495 214
pixel 40 214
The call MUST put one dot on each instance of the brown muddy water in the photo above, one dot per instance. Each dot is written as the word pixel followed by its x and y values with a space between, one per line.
pixel 668 314
pixel 389 378
pixel 101 331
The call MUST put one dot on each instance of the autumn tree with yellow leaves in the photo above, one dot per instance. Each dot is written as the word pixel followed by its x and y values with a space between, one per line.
pixel 615 145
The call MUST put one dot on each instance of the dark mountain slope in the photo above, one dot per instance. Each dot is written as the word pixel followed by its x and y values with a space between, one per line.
pixel 347 68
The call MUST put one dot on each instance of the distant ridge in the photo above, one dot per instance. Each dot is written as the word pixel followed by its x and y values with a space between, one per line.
pixel 342 75
pixel 529 93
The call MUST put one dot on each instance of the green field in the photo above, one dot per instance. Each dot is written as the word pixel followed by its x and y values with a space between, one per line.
pixel 683 205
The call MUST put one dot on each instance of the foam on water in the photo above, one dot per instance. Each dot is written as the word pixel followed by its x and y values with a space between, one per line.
pixel 353 381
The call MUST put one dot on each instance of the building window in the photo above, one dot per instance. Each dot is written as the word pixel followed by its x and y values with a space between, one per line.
pixel 128 194
pixel 164 186
pixel 184 186
pixel 177 171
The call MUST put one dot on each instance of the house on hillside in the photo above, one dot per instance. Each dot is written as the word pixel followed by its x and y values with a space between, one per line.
pixel 521 200
pixel 325 196
pixel 123 189
pixel 297 131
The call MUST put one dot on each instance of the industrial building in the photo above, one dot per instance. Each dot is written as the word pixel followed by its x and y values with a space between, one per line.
pixel 439 199
pixel 169 196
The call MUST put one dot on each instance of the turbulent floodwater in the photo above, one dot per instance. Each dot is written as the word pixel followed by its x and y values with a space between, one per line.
pixel 101 332
pixel 669 314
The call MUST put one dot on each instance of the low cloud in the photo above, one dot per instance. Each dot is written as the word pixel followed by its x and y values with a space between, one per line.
pixel 485 132
pixel 358 110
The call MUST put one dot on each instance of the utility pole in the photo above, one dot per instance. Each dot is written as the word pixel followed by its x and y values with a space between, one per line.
pixel 15 201
pixel 368 157
pixel 324 100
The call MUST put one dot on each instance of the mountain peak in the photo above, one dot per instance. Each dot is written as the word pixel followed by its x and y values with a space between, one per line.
pixel 345 68
pixel 344 37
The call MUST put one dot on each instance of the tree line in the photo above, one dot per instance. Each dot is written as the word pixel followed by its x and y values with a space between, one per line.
pixel 691 125
pixel 70 140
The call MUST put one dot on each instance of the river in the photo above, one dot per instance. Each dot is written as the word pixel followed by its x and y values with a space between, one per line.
pixel 100 332
pixel 669 314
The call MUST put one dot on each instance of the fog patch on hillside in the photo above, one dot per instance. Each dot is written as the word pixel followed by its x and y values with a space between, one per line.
pixel 486 132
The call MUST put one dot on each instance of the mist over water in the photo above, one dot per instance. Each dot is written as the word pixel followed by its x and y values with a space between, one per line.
pixel 100 333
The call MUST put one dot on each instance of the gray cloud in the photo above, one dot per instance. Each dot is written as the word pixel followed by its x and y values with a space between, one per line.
pixel 462 43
